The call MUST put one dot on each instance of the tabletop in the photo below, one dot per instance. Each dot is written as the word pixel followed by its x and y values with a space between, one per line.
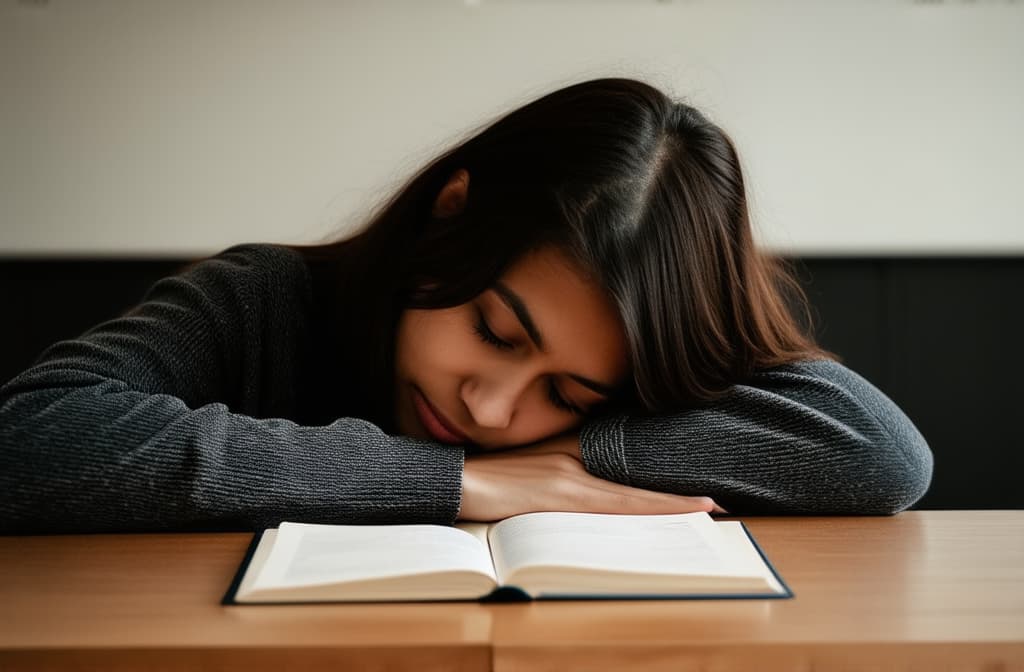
pixel 921 590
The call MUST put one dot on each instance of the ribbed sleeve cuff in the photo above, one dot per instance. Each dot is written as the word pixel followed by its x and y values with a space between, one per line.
pixel 419 483
pixel 398 481
pixel 602 448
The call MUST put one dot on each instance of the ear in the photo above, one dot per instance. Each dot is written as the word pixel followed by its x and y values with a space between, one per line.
pixel 452 198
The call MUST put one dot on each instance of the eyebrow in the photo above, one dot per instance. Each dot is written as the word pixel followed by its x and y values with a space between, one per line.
pixel 522 313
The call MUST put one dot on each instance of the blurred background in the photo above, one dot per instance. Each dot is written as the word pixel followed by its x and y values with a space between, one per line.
pixel 882 142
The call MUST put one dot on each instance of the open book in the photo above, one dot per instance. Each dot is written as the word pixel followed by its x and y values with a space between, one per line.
pixel 530 556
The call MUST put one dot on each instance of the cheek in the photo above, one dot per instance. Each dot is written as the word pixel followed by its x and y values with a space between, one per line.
pixel 538 419
pixel 432 340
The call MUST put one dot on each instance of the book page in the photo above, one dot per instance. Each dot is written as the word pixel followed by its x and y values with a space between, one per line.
pixel 478 530
pixel 746 554
pixel 656 544
pixel 307 554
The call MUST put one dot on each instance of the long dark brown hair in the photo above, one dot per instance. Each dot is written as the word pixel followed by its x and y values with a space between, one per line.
pixel 643 193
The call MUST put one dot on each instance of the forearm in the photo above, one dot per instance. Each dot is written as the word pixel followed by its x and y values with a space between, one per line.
pixel 99 458
pixel 815 439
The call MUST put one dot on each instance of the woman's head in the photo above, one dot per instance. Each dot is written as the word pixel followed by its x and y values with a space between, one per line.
pixel 526 359
pixel 641 197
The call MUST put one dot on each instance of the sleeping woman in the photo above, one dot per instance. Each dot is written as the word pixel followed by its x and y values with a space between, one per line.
pixel 565 312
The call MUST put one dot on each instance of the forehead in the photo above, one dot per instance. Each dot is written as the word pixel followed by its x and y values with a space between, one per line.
pixel 580 325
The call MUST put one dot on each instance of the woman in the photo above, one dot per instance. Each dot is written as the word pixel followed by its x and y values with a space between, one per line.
pixel 565 312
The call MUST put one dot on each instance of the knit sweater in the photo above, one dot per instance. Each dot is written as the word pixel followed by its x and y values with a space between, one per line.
pixel 190 412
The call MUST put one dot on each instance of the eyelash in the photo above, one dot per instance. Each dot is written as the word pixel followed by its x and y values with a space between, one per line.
pixel 483 330
pixel 559 401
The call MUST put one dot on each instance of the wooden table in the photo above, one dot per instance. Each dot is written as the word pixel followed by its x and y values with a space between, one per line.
pixel 918 591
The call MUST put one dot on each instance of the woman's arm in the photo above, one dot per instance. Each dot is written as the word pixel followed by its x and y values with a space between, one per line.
pixel 152 421
pixel 812 437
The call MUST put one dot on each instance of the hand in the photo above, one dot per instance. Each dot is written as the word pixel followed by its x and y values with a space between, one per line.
pixel 548 476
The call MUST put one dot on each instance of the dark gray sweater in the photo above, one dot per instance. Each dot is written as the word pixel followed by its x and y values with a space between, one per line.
pixel 187 413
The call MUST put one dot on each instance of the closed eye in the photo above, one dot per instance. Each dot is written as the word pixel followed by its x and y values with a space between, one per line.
pixel 483 330
pixel 487 335
pixel 560 402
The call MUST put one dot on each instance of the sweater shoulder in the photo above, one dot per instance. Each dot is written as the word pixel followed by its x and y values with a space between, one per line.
pixel 258 260
pixel 242 279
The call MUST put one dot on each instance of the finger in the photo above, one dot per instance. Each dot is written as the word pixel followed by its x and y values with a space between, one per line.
pixel 654 496
pixel 649 501
pixel 683 504
pixel 626 499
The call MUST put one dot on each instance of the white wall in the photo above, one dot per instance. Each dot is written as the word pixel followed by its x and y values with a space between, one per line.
pixel 183 126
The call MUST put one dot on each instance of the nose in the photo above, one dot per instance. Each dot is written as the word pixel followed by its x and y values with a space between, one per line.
pixel 492 399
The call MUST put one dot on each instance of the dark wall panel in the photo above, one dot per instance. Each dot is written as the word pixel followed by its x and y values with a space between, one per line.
pixel 46 301
pixel 956 329
pixel 847 300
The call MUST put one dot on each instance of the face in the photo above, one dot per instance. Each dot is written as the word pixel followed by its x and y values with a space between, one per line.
pixel 523 361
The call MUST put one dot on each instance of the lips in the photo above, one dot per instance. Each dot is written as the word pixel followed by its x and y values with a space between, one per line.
pixel 439 427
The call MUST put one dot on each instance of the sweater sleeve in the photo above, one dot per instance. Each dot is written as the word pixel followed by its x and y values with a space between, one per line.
pixel 163 419
pixel 812 437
